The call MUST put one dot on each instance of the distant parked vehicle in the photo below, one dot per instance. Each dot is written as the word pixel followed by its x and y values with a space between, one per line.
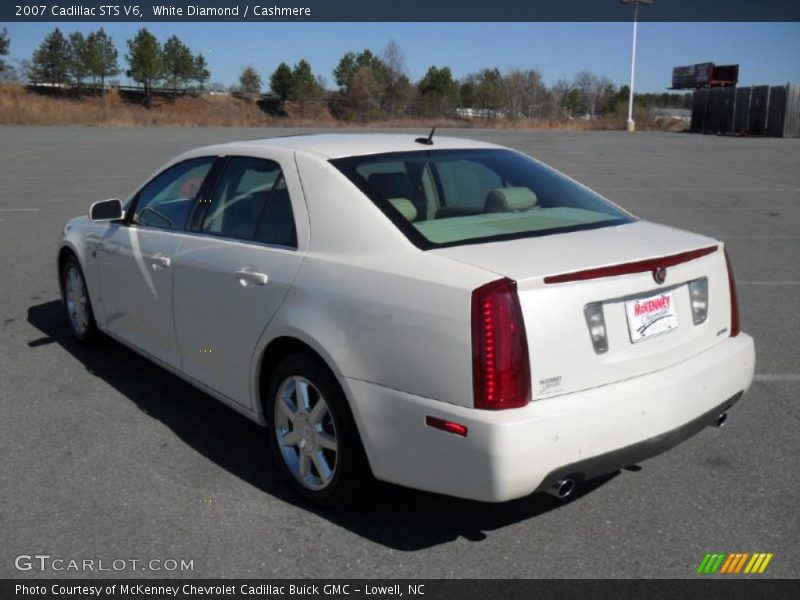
pixel 479 113
pixel 444 314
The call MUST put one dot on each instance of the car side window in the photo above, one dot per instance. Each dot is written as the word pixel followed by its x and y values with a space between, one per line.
pixel 276 225
pixel 251 202
pixel 166 201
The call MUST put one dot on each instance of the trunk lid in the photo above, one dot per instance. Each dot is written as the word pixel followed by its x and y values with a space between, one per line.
pixel 563 357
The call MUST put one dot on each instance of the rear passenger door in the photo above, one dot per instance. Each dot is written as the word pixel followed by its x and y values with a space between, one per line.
pixel 234 269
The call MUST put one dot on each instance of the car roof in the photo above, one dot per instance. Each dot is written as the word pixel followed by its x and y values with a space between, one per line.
pixel 338 145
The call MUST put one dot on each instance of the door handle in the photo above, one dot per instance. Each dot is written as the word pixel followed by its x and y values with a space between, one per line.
pixel 159 261
pixel 248 276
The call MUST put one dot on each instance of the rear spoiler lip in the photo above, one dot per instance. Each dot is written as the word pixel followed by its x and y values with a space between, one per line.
pixel 639 266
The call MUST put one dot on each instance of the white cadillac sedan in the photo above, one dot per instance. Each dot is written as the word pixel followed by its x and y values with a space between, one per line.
pixel 439 313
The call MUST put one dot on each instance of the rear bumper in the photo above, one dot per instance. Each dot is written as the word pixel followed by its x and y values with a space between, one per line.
pixel 629 455
pixel 512 453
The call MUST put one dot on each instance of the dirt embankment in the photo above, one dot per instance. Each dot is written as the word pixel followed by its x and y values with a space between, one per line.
pixel 20 106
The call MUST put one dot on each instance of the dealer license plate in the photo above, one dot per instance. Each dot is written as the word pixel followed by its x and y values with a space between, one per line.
pixel 651 316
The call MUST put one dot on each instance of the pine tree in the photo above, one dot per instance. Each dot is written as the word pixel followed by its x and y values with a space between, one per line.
pixel 439 91
pixel 364 80
pixel 250 82
pixel 51 59
pixel 102 56
pixel 4 44
pixel 178 63
pixel 280 82
pixel 145 60
pixel 305 90
pixel 78 57
pixel 201 72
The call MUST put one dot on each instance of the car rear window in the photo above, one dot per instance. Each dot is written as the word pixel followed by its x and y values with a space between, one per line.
pixel 451 197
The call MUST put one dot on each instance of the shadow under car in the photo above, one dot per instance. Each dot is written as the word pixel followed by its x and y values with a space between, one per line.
pixel 396 517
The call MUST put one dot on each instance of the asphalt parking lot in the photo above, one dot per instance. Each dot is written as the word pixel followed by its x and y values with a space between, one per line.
pixel 106 456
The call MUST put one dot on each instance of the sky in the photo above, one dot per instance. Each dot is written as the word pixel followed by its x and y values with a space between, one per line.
pixel 769 53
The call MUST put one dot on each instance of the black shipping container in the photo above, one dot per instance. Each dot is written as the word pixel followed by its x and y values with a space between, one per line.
pixel 699 98
pixel 760 110
pixel 727 102
pixel 742 116
pixel 759 105
pixel 777 110
pixel 791 124
pixel 711 117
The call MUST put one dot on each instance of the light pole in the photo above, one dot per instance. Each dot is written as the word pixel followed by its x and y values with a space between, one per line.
pixel 636 3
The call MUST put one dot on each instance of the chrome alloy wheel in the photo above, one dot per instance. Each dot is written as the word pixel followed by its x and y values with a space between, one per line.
pixel 77 301
pixel 306 433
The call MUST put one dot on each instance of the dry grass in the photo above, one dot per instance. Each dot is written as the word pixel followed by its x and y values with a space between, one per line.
pixel 19 106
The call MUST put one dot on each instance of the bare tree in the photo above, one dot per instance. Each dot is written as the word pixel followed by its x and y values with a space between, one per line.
pixel 535 93
pixel 20 73
pixel 514 93
pixel 395 61
pixel 593 90
pixel 605 94
pixel 560 92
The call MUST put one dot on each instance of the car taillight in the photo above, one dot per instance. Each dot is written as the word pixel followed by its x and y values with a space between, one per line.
pixel 501 376
pixel 734 301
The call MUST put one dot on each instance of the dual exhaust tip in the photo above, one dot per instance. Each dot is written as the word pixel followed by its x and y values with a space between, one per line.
pixel 563 488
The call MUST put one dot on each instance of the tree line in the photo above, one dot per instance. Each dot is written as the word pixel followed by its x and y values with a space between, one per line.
pixel 73 59
pixel 368 85
pixel 372 86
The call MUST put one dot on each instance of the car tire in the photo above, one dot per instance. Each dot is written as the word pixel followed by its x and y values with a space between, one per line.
pixel 77 303
pixel 317 447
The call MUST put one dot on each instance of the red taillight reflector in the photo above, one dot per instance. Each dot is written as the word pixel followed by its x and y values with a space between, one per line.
pixel 734 300
pixel 639 266
pixel 501 376
pixel 447 426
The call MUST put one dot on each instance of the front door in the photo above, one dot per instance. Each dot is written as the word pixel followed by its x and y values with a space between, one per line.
pixel 135 260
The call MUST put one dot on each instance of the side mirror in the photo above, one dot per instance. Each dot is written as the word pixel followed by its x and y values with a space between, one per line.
pixel 106 210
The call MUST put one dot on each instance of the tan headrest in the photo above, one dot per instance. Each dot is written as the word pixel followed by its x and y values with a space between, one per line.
pixel 510 199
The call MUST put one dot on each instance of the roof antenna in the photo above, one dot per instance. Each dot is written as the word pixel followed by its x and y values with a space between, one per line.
pixel 428 141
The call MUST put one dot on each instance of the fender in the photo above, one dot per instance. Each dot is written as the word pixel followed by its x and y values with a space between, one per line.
pixel 276 330
pixel 81 237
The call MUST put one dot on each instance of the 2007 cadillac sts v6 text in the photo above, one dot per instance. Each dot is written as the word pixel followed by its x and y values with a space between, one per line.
pixel 440 313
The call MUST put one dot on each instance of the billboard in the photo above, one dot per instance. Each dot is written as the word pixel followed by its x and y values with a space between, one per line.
pixel 704 75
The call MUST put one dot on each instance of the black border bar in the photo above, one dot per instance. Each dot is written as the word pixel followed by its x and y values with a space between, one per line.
pixel 729 587
pixel 397 10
